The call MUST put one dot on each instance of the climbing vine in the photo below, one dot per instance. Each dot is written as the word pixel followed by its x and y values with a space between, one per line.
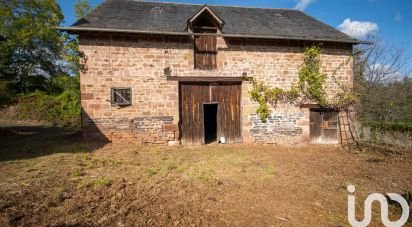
pixel 311 80
pixel 266 96
pixel 311 86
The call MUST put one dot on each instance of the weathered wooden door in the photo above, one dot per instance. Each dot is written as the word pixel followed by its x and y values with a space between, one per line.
pixel 228 97
pixel 323 126
pixel 315 126
pixel 194 95
pixel 205 50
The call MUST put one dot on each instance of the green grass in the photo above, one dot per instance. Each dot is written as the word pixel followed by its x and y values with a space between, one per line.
pixel 103 181
pixel 78 173
pixel 151 172
pixel 270 170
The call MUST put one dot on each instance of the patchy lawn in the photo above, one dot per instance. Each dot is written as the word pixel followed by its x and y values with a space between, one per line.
pixel 50 176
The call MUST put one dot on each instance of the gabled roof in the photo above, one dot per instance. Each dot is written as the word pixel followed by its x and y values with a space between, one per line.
pixel 206 9
pixel 171 18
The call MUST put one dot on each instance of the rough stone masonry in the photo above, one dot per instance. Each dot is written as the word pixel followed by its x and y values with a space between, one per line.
pixel 140 62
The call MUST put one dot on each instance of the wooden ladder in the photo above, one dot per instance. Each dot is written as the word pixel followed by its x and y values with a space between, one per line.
pixel 347 129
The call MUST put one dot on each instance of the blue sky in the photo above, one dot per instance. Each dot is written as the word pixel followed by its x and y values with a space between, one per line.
pixel 390 19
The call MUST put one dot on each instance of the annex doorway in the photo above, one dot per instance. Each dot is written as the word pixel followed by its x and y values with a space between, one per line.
pixel 323 126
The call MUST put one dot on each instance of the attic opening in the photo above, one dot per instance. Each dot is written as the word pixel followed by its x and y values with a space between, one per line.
pixel 205 47
pixel 205 18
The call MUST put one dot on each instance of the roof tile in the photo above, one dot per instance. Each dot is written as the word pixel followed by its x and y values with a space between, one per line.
pixel 172 17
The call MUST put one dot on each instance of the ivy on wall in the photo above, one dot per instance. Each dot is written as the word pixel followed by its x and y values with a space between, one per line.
pixel 311 86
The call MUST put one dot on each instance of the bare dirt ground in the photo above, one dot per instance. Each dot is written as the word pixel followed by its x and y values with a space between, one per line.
pixel 50 176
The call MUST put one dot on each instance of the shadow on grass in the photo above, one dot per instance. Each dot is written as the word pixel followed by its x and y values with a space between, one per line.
pixel 25 142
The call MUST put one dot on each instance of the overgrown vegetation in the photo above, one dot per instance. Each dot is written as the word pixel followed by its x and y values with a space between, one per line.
pixel 311 87
pixel 390 126
pixel 381 96
pixel 384 107
pixel 267 96
pixel 388 105
pixel 39 66
pixel 61 107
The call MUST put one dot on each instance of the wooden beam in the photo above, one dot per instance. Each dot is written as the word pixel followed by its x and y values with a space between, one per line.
pixel 314 106
pixel 206 28
pixel 205 79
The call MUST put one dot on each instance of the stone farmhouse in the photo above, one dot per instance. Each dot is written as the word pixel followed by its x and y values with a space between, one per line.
pixel 159 73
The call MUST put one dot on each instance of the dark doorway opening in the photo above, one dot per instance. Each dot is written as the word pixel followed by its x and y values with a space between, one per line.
pixel 210 122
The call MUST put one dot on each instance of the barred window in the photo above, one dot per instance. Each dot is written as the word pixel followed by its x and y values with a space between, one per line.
pixel 121 96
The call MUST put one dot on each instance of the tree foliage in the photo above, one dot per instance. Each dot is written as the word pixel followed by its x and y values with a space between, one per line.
pixel 81 8
pixel 39 65
pixel 59 105
pixel 31 48
pixel 387 102
pixel 385 90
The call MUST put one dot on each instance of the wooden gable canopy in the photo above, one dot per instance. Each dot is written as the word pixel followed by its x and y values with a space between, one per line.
pixel 205 17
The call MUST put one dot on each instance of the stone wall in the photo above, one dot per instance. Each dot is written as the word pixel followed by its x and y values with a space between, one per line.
pixel 140 129
pixel 139 62
pixel 278 127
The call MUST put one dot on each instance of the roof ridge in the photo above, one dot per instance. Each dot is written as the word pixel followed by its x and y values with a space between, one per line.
pixel 197 4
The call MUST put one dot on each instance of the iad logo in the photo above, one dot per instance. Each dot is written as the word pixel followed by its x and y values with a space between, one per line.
pixel 384 209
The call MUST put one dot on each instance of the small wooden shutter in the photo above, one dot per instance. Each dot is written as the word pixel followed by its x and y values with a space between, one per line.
pixel 121 96
pixel 205 51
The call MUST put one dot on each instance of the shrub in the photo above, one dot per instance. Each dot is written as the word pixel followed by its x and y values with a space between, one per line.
pixel 404 127
pixel 6 96
pixel 69 107
pixel 62 110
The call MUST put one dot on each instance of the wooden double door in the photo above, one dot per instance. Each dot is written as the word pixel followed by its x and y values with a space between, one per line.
pixel 196 100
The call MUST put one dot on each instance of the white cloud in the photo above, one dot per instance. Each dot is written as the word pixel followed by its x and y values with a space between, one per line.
pixel 358 29
pixel 398 17
pixel 302 4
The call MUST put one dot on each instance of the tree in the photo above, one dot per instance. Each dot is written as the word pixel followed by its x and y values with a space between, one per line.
pixel 39 65
pixel 31 48
pixel 72 53
pixel 384 91
pixel 81 8
pixel 381 62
